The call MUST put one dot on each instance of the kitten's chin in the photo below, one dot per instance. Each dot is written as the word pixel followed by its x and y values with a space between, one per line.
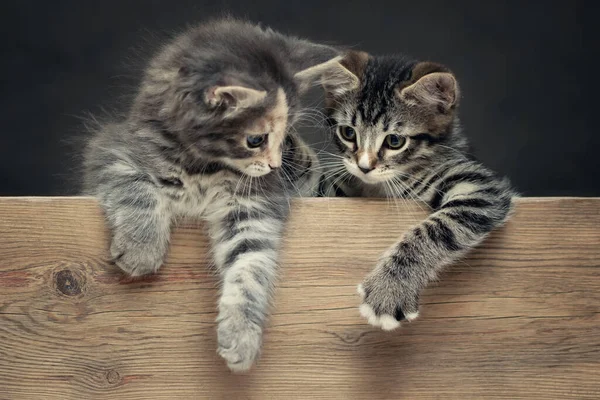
pixel 371 179
pixel 256 172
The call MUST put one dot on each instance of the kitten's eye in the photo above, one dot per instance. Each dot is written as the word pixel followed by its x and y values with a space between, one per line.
pixel 347 133
pixel 394 142
pixel 255 140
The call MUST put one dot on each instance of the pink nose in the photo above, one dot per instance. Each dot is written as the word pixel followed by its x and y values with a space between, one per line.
pixel 366 162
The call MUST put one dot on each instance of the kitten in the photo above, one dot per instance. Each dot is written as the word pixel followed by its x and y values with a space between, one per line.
pixel 207 137
pixel 394 122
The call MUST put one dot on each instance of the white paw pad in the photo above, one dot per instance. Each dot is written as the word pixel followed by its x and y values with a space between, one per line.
pixel 239 342
pixel 411 316
pixel 385 321
pixel 235 362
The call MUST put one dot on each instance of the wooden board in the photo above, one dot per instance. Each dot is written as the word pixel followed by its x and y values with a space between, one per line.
pixel 518 319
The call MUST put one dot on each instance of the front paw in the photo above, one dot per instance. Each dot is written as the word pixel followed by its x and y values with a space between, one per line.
pixel 136 259
pixel 386 300
pixel 239 338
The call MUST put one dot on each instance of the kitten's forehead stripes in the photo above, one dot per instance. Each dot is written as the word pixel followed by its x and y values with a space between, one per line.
pixel 378 88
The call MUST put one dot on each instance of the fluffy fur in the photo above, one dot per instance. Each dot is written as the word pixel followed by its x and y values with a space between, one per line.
pixel 394 123
pixel 207 137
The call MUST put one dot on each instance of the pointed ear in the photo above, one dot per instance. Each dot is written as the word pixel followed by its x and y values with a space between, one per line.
pixel 436 89
pixel 234 97
pixel 338 76
pixel 332 75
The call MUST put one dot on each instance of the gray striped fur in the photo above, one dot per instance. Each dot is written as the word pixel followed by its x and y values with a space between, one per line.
pixel 182 153
pixel 418 101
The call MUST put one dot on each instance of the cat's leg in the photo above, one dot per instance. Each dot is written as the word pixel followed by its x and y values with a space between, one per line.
pixel 246 237
pixel 138 216
pixel 468 203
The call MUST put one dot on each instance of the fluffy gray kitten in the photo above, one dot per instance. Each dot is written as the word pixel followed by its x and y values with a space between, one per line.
pixel 207 137
pixel 394 122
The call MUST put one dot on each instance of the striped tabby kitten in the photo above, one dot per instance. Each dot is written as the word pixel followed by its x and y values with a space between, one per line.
pixel 207 137
pixel 394 122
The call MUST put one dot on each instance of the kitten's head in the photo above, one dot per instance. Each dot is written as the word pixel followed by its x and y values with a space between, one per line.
pixel 248 128
pixel 388 114
pixel 226 92
pixel 231 120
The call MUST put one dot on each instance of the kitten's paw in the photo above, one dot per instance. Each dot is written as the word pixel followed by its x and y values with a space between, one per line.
pixel 240 340
pixel 386 302
pixel 135 259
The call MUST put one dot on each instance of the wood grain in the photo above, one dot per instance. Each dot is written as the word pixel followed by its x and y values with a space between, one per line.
pixel 518 319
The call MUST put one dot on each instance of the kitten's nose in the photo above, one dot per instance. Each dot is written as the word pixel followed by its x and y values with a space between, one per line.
pixel 366 161
pixel 365 170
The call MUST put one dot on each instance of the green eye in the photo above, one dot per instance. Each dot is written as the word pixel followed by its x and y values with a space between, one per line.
pixel 394 142
pixel 347 133
pixel 256 140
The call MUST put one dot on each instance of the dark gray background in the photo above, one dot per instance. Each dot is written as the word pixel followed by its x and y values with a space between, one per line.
pixel 527 71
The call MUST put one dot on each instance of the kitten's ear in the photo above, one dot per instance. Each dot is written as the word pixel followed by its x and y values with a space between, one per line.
pixel 234 97
pixel 338 76
pixel 435 89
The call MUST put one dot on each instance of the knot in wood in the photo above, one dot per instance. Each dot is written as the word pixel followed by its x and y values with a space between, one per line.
pixel 113 377
pixel 67 283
